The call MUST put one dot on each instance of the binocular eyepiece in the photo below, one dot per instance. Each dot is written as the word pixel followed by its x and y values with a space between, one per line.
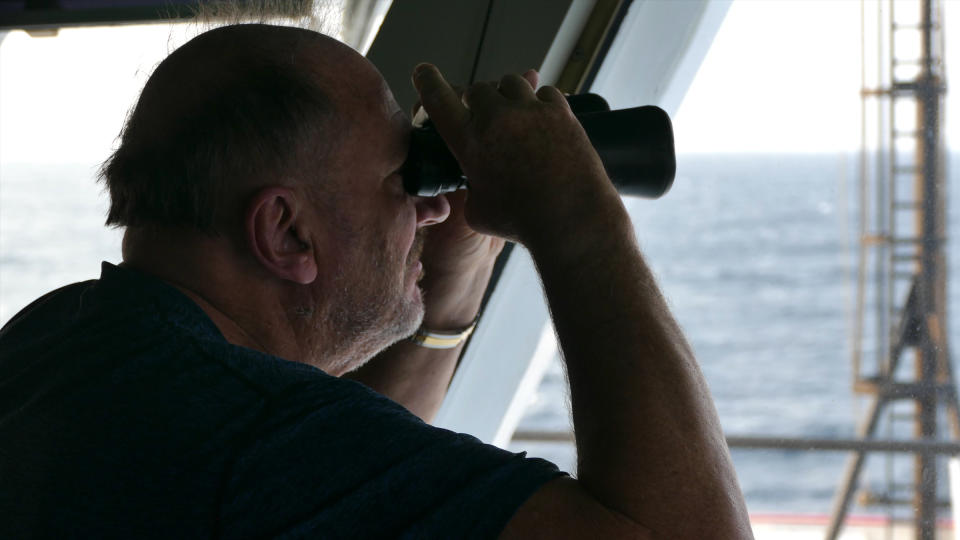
pixel 635 145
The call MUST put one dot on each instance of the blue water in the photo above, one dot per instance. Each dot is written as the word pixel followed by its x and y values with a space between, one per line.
pixel 755 254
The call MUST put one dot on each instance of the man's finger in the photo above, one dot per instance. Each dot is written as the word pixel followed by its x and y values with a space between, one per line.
pixel 532 77
pixel 441 102
pixel 481 96
pixel 417 105
pixel 550 94
pixel 516 87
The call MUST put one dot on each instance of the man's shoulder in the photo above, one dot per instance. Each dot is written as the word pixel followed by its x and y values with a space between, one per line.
pixel 122 314
pixel 130 388
pixel 332 455
pixel 56 307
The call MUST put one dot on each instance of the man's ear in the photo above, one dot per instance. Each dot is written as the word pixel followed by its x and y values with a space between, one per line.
pixel 272 227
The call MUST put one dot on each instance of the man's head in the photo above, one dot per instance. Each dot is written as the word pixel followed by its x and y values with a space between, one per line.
pixel 233 107
pixel 259 171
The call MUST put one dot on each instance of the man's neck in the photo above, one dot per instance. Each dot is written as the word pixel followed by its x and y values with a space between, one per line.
pixel 231 330
pixel 247 314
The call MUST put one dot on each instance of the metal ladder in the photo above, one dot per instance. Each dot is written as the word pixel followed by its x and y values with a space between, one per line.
pixel 902 188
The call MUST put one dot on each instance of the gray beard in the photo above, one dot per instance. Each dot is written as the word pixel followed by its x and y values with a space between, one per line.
pixel 362 325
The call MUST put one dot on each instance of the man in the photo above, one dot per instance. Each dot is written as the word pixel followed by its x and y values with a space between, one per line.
pixel 269 249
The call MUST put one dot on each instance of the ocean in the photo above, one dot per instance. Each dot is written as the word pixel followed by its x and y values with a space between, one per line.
pixel 755 253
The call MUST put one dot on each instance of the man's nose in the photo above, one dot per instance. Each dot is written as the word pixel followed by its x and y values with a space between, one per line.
pixel 432 210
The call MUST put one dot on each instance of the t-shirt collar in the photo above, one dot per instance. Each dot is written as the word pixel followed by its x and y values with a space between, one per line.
pixel 121 283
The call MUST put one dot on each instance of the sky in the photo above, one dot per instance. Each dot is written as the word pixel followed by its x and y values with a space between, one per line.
pixel 784 76
pixel 781 76
pixel 64 99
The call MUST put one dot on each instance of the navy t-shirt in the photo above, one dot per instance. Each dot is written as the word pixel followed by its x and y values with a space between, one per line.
pixel 125 413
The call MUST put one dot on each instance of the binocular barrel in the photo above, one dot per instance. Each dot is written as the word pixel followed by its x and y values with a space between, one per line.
pixel 635 145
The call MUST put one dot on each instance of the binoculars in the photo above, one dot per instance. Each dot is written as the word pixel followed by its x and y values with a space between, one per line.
pixel 635 145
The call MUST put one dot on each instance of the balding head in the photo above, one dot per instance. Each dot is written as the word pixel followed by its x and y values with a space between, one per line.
pixel 233 109
pixel 290 145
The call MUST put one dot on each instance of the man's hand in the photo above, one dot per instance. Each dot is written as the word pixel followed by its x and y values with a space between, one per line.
pixel 457 263
pixel 529 163
pixel 457 258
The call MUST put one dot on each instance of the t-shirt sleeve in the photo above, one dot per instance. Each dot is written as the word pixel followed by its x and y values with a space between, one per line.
pixel 333 459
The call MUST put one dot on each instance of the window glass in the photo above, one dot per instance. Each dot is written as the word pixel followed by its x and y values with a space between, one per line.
pixel 63 101
pixel 756 248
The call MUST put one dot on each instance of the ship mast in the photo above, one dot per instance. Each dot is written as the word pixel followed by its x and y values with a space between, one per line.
pixel 902 271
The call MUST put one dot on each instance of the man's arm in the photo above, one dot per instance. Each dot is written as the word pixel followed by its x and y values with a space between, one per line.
pixel 652 457
pixel 457 264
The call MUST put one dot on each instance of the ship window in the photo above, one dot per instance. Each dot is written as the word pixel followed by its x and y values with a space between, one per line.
pixel 756 248
pixel 64 96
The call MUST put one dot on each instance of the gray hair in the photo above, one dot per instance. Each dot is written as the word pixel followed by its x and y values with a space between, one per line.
pixel 227 111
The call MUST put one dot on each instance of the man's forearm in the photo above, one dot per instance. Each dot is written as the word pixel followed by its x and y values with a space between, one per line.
pixel 648 437
pixel 413 376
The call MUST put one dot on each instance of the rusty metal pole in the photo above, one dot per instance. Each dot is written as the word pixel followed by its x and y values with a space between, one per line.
pixel 931 229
